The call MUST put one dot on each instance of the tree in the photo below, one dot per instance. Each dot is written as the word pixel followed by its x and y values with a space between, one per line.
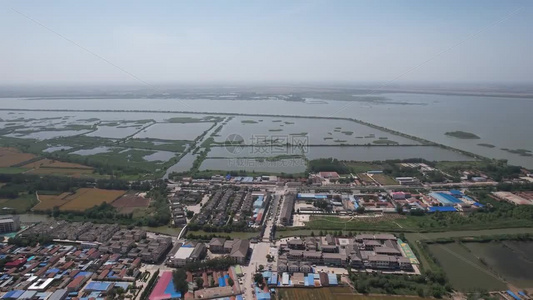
pixel 111 294
pixel 190 214
pixel 258 278
pixel 261 268
pixel 180 281
pixel 399 209
pixel 230 282
pixel 199 282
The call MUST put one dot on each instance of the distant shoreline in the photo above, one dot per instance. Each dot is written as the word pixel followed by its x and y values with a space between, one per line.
pixel 368 92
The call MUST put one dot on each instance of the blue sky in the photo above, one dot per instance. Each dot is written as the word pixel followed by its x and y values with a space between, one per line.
pixel 265 41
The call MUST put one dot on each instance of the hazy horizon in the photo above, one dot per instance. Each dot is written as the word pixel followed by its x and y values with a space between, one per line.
pixel 259 42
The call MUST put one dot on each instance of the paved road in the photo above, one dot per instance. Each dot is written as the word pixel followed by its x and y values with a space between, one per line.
pixel 260 250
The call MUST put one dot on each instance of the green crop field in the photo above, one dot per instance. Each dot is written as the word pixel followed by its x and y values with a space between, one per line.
pixel 331 293
pixel 464 270
pixel 414 238
pixel 509 259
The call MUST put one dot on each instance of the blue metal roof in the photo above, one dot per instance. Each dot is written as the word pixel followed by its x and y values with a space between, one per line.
pixel 273 280
pixel 450 198
pixel 267 274
pixel 55 270
pixel 442 208
pixel 513 295
pixel 17 294
pixel 98 286
pixel 83 274
pixel 332 278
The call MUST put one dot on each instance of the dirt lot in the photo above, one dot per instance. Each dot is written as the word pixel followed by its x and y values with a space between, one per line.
pixel 11 156
pixel 48 163
pixel 129 202
pixel 84 198
pixel 47 166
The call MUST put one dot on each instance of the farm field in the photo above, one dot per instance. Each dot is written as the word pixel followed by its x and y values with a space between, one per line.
pixel 12 162
pixel 463 269
pixel 48 202
pixel 331 293
pixel 10 157
pixel 130 202
pixel 12 170
pixel 49 163
pixel 384 179
pixel 363 167
pixel 413 238
pixel 20 204
pixel 365 178
pixel 82 199
pixel 510 259
pixel 63 171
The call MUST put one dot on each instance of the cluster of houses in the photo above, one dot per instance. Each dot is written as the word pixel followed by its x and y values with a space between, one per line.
pixel 238 249
pixel 364 251
pixel 110 238
pixel 179 216
pixel 63 271
pixel 75 231
pixel 241 204
pixel 183 253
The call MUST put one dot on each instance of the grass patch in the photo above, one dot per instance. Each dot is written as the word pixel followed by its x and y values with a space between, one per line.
pixel 152 144
pixel 521 152
pixel 12 170
pixel 384 179
pixel 363 167
pixel 233 235
pixel 462 135
pixel 385 142
pixel 194 120
pixel 486 145
pixel 367 224
pixel 21 204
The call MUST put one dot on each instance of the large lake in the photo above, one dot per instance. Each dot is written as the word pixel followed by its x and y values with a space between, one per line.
pixel 503 122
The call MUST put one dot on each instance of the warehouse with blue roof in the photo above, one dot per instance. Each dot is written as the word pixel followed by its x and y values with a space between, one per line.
pixel 445 199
